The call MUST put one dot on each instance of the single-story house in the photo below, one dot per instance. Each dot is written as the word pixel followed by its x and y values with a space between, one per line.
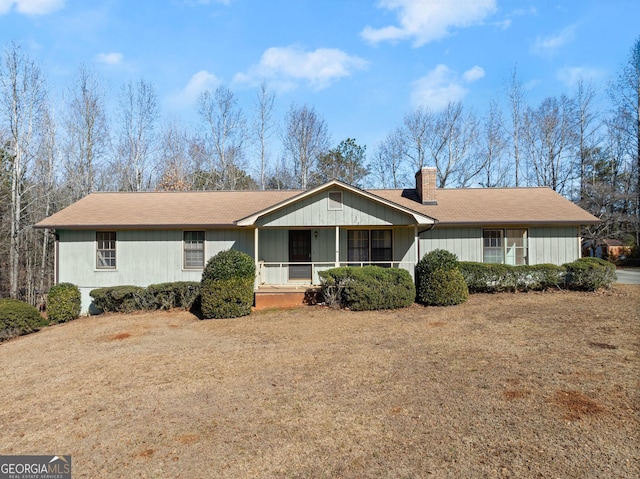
pixel 606 248
pixel 109 239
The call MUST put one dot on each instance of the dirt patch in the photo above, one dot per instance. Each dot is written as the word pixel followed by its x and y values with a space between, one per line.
pixel 515 394
pixel 119 336
pixel 502 386
pixel 576 404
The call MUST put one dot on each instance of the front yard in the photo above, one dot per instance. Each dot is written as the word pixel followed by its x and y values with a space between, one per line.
pixel 506 385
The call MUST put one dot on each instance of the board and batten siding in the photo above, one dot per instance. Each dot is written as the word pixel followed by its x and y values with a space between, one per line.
pixel 143 257
pixel 356 211
pixel 547 244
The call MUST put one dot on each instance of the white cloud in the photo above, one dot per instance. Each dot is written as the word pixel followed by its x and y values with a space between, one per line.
pixel 285 67
pixel 425 21
pixel 112 58
pixel 550 44
pixel 199 82
pixel 31 7
pixel 442 85
pixel 473 74
pixel 570 75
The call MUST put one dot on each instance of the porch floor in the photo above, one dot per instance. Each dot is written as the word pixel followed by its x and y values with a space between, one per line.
pixel 286 296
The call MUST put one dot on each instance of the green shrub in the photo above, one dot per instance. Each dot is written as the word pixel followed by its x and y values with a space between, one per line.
pixel 63 303
pixel 119 299
pixel 179 294
pixel 18 318
pixel 226 289
pixel 494 278
pixel 445 287
pixel 439 281
pixel 229 264
pixel 589 274
pixel 226 298
pixel 368 288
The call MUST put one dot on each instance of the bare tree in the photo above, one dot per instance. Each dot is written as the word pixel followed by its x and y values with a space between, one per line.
pixel 306 140
pixel 587 127
pixel 551 142
pixel 86 132
pixel 226 135
pixel 514 128
pixel 22 96
pixel 417 129
pixel 493 148
pixel 389 160
pixel 138 113
pixel 625 95
pixel 452 146
pixel 263 127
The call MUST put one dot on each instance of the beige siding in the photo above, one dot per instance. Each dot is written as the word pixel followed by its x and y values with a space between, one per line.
pixel 550 244
pixel 356 211
pixel 466 243
pixel 556 245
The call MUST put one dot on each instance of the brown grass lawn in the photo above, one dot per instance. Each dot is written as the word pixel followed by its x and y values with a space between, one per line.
pixel 525 385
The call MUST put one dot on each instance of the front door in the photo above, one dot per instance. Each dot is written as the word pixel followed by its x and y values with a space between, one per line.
pixel 300 252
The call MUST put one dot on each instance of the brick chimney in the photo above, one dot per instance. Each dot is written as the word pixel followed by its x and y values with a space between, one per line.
pixel 426 185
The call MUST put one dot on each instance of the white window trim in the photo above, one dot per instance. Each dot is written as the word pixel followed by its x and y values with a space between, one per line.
pixel 503 245
pixel 95 251
pixel 204 250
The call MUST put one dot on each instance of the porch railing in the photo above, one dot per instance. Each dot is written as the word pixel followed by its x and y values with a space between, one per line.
pixel 276 272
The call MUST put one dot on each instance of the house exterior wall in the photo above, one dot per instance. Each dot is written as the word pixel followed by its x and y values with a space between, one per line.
pixel 314 211
pixel 143 257
pixel 546 244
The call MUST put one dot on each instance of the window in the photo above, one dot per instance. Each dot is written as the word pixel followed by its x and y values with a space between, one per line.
pixel 369 246
pixel 508 246
pixel 193 249
pixel 335 200
pixel 106 249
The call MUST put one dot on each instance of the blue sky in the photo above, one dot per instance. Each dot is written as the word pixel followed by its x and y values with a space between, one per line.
pixel 361 64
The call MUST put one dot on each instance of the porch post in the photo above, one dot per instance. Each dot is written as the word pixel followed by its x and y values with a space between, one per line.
pixel 337 247
pixel 416 240
pixel 255 256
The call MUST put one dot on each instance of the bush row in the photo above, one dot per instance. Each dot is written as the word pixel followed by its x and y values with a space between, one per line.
pixel 18 318
pixel 125 299
pixel 585 274
pixel 368 287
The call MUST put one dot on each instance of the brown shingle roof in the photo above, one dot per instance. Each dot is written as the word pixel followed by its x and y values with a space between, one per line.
pixel 495 206
pixel 223 208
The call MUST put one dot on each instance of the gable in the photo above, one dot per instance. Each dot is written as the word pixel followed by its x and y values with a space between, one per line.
pixel 319 210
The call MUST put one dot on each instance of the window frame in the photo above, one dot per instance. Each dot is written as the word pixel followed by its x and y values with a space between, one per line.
pixel 507 245
pixel 186 250
pixel 100 240
pixel 369 247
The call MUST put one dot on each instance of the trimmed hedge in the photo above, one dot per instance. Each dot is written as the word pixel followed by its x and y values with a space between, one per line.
pixel 229 264
pixel 227 298
pixel 367 288
pixel 119 299
pixel 494 278
pixel 63 303
pixel 439 281
pixel 589 274
pixel 180 294
pixel 227 285
pixel 18 318
pixel 125 299
pixel 584 274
